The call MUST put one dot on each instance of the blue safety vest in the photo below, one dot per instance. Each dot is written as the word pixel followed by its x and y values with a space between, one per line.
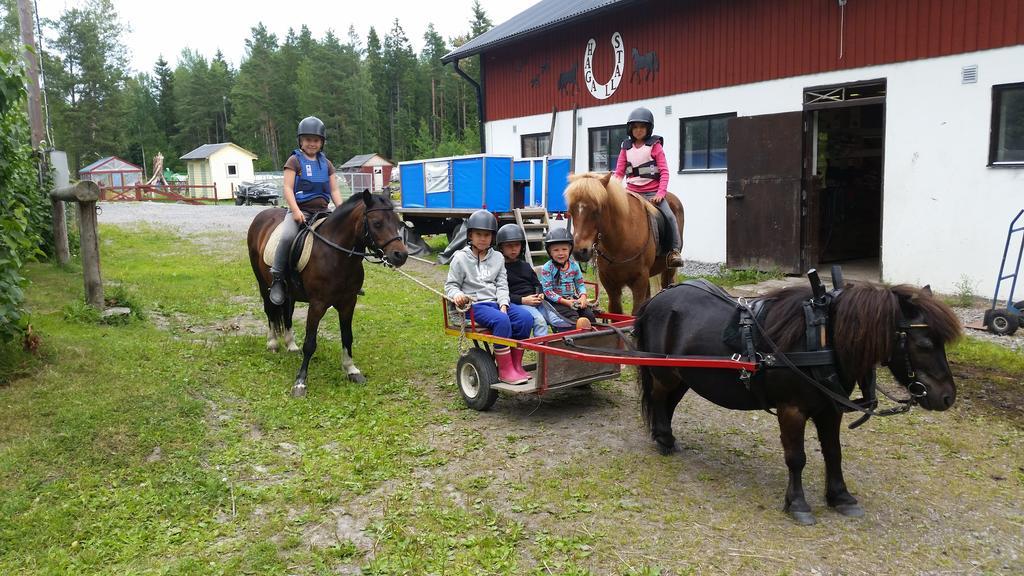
pixel 313 179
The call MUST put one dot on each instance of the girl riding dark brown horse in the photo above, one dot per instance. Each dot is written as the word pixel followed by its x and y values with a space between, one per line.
pixel 365 225
pixel 615 226
pixel 903 327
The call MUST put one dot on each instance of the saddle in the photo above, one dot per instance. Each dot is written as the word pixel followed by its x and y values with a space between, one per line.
pixel 302 247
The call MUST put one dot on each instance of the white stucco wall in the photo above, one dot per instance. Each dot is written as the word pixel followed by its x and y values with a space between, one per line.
pixel 945 212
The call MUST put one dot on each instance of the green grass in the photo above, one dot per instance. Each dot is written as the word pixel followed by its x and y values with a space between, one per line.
pixel 728 277
pixel 987 354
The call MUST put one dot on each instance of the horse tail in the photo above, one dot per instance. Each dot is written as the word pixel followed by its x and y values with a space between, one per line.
pixel 644 376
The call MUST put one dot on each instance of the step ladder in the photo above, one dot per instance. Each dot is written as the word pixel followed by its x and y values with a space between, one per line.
pixel 534 222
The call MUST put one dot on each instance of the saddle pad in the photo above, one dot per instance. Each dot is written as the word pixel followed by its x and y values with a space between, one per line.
pixel 658 224
pixel 275 239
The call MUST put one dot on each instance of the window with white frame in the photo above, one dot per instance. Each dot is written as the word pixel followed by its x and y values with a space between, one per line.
pixel 605 143
pixel 704 142
pixel 1007 142
pixel 534 145
pixel 232 169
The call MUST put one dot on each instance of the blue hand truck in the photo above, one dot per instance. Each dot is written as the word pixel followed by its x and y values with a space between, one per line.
pixel 1005 321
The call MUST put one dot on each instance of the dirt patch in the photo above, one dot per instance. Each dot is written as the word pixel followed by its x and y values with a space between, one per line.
pixel 990 391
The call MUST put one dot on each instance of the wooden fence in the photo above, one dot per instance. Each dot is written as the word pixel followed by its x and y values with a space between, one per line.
pixel 187 193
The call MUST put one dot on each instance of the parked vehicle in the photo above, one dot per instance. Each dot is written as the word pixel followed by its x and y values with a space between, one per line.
pixel 265 192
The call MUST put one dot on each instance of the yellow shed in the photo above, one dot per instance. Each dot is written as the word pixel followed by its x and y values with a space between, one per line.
pixel 215 170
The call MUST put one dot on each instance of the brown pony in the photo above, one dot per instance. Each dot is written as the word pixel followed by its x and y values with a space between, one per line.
pixel 333 275
pixel 902 327
pixel 615 227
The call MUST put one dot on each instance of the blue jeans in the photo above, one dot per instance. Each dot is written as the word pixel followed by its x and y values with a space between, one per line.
pixel 540 322
pixel 515 325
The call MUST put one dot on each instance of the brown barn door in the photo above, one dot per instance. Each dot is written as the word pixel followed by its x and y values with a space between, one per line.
pixel 764 192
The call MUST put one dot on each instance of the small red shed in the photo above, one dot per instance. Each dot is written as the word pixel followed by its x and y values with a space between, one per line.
pixel 377 170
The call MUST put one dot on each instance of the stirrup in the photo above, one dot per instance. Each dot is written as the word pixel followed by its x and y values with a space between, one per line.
pixel 277 290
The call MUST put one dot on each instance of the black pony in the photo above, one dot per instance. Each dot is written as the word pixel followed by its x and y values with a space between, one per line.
pixel 333 276
pixel 903 327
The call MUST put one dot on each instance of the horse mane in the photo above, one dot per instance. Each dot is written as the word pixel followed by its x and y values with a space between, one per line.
pixel 863 319
pixel 590 188
pixel 341 213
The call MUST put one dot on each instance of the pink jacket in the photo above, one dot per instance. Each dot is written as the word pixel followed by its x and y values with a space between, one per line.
pixel 660 186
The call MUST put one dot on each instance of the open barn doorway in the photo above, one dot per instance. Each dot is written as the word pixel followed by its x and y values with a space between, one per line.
pixel 848 159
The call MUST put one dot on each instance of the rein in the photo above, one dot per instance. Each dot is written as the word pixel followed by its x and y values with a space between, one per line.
pixel 367 240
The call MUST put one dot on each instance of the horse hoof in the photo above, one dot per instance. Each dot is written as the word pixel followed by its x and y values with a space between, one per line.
pixel 850 510
pixel 272 347
pixel 666 450
pixel 299 391
pixel 294 348
pixel 357 377
pixel 803 518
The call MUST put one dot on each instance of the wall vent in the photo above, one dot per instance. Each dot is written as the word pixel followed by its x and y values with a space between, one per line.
pixel 969 74
pixel 668 110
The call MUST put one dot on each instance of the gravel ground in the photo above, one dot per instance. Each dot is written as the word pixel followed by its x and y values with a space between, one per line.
pixel 186 218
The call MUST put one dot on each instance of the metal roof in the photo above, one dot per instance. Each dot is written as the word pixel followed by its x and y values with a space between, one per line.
pixel 538 18
pixel 207 150
pixel 110 164
pixel 358 160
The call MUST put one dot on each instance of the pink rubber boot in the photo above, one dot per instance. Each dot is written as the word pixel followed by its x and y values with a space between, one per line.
pixel 517 362
pixel 506 373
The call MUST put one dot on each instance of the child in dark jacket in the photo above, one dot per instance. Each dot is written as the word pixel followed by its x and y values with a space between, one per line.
pixel 523 286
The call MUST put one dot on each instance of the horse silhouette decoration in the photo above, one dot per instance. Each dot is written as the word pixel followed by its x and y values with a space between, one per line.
pixel 644 63
pixel 364 225
pixel 618 229
pixel 902 327
pixel 567 79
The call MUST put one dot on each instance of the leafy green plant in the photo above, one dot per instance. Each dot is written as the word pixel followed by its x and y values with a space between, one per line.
pixel 964 294
pixel 23 213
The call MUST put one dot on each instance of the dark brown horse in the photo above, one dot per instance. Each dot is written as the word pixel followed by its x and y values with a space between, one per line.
pixel 333 275
pixel 615 226
pixel 903 327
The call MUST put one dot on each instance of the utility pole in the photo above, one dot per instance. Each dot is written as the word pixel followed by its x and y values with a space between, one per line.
pixel 35 117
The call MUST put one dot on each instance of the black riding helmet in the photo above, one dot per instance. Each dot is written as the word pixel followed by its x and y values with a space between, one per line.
pixel 642 115
pixel 510 233
pixel 558 236
pixel 481 220
pixel 311 126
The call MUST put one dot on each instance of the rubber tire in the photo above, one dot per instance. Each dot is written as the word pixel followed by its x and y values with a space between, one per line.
pixel 239 200
pixel 1003 322
pixel 474 375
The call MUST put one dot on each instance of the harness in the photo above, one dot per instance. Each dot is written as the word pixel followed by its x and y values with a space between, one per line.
pixel 313 179
pixel 817 364
pixel 365 240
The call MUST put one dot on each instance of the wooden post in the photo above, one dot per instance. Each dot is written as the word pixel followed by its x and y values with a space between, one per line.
pixel 90 240
pixel 35 120
pixel 86 193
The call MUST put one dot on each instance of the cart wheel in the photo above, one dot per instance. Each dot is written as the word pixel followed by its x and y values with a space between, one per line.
pixel 1002 322
pixel 474 374
pixel 239 201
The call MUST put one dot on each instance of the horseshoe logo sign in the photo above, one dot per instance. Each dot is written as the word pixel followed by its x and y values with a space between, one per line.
pixel 603 91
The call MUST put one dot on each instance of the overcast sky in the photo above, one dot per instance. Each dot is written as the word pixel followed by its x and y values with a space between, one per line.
pixel 206 25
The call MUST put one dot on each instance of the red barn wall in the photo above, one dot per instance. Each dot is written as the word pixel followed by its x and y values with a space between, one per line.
pixel 704 44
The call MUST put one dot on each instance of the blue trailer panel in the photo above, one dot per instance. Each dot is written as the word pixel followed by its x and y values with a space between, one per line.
pixel 467 182
pixel 414 194
pixel 498 184
pixel 558 180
